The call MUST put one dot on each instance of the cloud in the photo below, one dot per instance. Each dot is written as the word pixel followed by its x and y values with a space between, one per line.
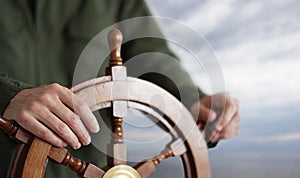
pixel 172 8
pixel 291 137
pixel 208 17
pixel 256 43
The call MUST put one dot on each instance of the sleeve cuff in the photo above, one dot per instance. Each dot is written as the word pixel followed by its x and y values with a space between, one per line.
pixel 8 89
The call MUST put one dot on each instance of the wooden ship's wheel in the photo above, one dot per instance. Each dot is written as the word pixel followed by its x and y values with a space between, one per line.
pixel 112 91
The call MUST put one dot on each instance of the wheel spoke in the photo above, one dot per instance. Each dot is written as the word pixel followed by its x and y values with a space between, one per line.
pixel 63 157
pixel 147 167
pixel 117 154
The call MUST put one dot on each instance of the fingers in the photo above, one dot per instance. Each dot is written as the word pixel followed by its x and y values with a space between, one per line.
pixel 203 113
pixel 30 123
pixel 206 114
pixel 63 129
pixel 227 125
pixel 59 118
pixel 231 130
pixel 231 108
pixel 53 113
pixel 66 101
pixel 73 121
pixel 81 108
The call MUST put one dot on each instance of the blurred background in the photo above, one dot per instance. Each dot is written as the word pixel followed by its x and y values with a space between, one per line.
pixel 257 45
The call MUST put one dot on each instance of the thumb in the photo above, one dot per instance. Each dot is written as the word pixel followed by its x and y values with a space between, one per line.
pixel 202 114
pixel 206 114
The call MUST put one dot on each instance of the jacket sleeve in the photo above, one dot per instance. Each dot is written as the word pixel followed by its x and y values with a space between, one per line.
pixel 8 88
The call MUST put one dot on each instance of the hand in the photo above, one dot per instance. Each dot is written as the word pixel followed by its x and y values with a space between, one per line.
pixel 221 110
pixel 53 113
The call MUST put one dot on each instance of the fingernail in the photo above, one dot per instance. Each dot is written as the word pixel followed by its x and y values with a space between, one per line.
pixel 87 140
pixel 212 116
pixel 77 146
pixel 213 140
pixel 64 144
pixel 96 129
pixel 218 127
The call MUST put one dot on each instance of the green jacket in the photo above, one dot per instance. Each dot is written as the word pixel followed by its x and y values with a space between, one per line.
pixel 41 41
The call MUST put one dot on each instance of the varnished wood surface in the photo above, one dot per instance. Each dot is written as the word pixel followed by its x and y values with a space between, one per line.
pixel 35 163
pixel 115 38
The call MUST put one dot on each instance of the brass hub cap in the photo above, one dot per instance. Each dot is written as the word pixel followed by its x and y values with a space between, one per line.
pixel 122 171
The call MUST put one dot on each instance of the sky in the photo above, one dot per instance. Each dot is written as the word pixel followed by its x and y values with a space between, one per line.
pixel 257 46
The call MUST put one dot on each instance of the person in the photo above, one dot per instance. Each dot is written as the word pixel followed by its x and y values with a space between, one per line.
pixel 40 44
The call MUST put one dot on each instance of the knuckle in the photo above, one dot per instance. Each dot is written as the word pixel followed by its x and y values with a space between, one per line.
pixel 58 143
pixel 73 120
pixel 44 134
pixel 229 102
pixel 54 86
pixel 80 103
pixel 81 107
pixel 231 105
pixel 34 107
pixel 62 129
pixel 45 98
pixel 22 117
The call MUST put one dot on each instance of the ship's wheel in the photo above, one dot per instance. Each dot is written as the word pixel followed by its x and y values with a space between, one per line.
pixel 119 92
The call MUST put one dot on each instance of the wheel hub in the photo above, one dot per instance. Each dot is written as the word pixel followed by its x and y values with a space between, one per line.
pixel 122 171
